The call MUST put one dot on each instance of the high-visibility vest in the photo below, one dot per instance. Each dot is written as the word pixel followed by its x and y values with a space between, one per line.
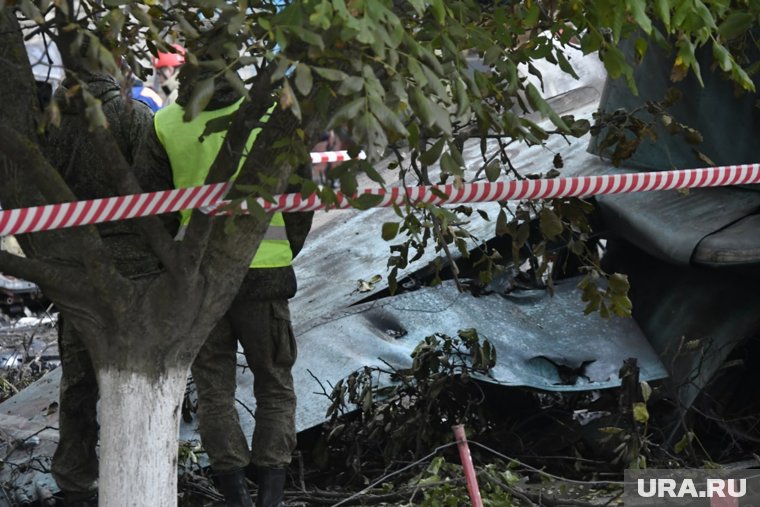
pixel 191 160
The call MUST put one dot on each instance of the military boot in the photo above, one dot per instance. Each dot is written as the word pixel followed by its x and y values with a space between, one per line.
pixel 271 483
pixel 234 488
pixel 78 500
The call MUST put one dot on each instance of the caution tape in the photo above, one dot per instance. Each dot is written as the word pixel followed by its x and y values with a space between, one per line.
pixel 109 209
pixel 334 156
pixel 208 197
pixel 531 189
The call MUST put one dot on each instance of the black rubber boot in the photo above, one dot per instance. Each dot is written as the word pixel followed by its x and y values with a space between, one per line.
pixel 79 500
pixel 271 483
pixel 234 489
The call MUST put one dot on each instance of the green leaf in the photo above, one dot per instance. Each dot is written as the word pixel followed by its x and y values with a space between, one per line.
pixel 722 56
pixel 463 99
pixel 31 11
pixel 493 171
pixel 288 100
pixel 538 103
pixel 424 107
pixel 641 47
pixel 450 166
pixel 330 74
pixel 740 76
pixel 418 5
pixel 283 66
pixel 309 37
pixel 366 201
pixel 347 112
pixel 390 230
pixel 646 390
pixel 501 223
pixel 549 223
pixel 387 117
pixel 435 84
pixel 415 69
pixel 236 82
pixel 348 183
pixel 705 15
pixel 441 118
pixel 662 9
pixel 638 11
pixel 615 63
pixel 735 25
pixel 439 10
pixel 619 283
pixel 640 412
pixel 351 85
pixel 430 156
pixel 682 444
pixel 565 65
pixel 303 80
pixel 367 130
pixel 492 55
pixel 199 99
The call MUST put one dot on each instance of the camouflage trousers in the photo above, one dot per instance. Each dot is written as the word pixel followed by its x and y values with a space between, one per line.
pixel 75 462
pixel 263 329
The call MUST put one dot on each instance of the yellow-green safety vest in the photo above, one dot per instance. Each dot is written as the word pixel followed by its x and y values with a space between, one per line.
pixel 191 162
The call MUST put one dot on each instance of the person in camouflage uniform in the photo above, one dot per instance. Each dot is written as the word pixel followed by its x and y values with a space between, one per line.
pixel 69 149
pixel 258 319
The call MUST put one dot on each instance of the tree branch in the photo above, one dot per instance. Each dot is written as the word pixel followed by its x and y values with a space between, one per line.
pixel 51 278
pixel 31 181
pixel 17 89
pixel 126 183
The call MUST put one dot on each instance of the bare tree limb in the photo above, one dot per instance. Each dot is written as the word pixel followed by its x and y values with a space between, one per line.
pixel 126 183
pixel 32 177
pixel 17 90
pixel 52 278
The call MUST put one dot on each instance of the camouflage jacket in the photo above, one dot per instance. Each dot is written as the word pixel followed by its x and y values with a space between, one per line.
pixel 69 148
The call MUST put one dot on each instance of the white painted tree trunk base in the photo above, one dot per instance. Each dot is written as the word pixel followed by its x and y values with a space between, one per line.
pixel 139 424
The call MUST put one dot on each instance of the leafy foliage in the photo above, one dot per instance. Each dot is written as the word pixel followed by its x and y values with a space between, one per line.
pixel 417 78
pixel 402 413
pixel 494 483
pixel 623 131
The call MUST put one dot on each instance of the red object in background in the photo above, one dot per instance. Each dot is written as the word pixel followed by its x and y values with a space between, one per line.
pixel 727 501
pixel 170 59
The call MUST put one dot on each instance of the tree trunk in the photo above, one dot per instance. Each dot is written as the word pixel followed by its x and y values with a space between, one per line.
pixel 139 428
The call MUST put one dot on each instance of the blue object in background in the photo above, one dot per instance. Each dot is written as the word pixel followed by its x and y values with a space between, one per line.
pixel 147 96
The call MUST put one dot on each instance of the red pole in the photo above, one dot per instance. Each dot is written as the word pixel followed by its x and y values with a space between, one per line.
pixel 724 501
pixel 469 469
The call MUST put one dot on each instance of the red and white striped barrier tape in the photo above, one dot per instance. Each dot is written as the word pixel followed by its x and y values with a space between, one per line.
pixel 579 186
pixel 58 216
pixel 334 156
pixel 108 209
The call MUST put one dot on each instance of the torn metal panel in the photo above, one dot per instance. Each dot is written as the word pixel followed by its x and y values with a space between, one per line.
pixel 541 341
